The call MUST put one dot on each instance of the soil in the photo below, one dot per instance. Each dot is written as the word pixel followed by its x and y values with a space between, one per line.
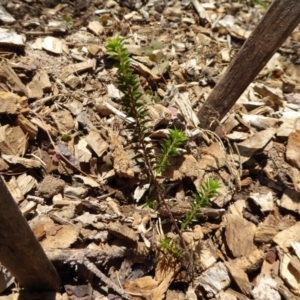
pixel 70 160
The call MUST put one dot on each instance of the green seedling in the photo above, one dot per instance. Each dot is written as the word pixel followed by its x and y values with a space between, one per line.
pixel 104 20
pixel 69 21
pixel 208 190
pixel 151 203
pixel 169 246
pixel 68 137
pixel 155 54
pixel 135 107
pixel 170 148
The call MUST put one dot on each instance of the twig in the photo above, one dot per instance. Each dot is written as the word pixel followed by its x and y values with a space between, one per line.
pixel 201 11
pixel 44 100
pixel 39 159
pixel 105 279
pixel 119 113
pixel 78 255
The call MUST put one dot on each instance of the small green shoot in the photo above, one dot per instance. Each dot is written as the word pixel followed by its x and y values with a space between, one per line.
pixel 104 20
pixel 69 21
pixel 151 203
pixel 208 190
pixel 68 137
pixel 154 45
pixel 169 246
pixel 155 54
pixel 129 85
pixel 150 97
pixel 170 148
pixel 134 106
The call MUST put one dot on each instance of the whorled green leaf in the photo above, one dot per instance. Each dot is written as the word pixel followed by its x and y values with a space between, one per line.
pixel 207 191
pixel 161 68
pixel 170 148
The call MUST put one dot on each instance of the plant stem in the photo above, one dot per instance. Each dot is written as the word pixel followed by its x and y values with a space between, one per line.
pixel 129 85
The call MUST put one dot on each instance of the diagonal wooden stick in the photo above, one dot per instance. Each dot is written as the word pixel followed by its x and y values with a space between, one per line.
pixel 273 29
pixel 20 252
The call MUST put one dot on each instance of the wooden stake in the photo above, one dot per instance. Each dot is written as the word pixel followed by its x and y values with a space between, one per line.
pixel 20 252
pixel 273 29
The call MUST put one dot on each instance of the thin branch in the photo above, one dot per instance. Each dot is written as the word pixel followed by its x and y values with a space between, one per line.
pixel 105 279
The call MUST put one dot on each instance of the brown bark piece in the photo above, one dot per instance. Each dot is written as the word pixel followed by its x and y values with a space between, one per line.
pixel 212 157
pixel 171 294
pixel 20 252
pixel 255 143
pixel 94 49
pixel 231 294
pixel 72 81
pixel 38 224
pixel 63 120
pixel 67 73
pixel 295 263
pixel 251 262
pixel 239 235
pixel 274 95
pixel 12 140
pixel 240 277
pixel 122 164
pixel 27 126
pixel 60 236
pixel 43 77
pixel 3 165
pixel 292 149
pixel 44 126
pixel 48 164
pixel 12 103
pixel 95 27
pixel 26 183
pixel 157 287
pixel 214 279
pixel 268 229
pixel 55 45
pixel 97 143
pixel 35 89
pixel 286 293
pixel 285 237
pixel 276 25
pixel 27 207
pixel 142 286
pixel 14 189
pixel 65 168
pixel 288 273
pixel 77 255
pixel 265 233
pixel 27 163
pixel 122 231
pixel 183 166
pixel 79 292
pixel 121 159
pixel 290 200
pixel 50 186
pixel 81 152
pixel 180 208
pixel 8 75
